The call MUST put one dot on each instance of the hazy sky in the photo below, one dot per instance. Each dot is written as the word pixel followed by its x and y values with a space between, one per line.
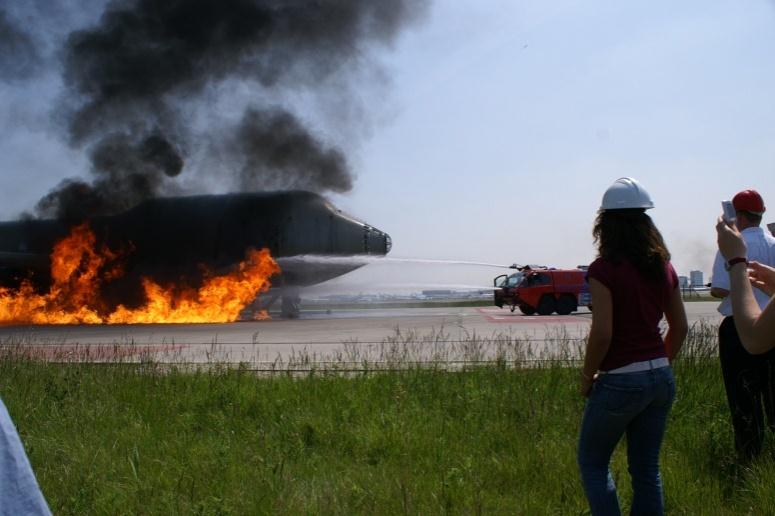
pixel 512 118
pixel 496 127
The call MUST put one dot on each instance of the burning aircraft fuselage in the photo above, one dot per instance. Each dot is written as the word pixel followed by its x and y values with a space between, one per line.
pixel 176 238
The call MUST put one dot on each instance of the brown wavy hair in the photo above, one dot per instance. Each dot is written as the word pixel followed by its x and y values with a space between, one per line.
pixel 631 235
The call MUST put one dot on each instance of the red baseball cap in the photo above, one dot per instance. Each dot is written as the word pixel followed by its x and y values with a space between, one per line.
pixel 750 201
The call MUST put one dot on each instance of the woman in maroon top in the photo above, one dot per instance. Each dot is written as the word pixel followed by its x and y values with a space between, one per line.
pixel 627 376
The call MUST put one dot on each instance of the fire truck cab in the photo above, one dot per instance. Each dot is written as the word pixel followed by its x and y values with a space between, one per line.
pixel 542 290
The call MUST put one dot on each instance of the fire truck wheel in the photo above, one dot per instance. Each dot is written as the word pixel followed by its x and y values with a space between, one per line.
pixel 512 307
pixel 566 304
pixel 546 305
pixel 527 309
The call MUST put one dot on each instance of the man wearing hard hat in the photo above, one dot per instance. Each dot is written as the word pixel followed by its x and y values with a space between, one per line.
pixel 747 378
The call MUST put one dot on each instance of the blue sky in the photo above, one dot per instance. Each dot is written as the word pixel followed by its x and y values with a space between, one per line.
pixel 497 126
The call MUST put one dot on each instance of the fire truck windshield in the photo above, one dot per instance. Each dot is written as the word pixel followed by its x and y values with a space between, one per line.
pixel 514 280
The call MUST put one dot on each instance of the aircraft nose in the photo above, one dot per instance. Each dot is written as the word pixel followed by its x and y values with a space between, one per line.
pixel 376 241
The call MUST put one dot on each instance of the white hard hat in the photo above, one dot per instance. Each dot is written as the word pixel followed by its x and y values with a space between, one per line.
pixel 625 193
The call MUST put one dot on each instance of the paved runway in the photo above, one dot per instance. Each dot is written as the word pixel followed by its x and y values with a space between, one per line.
pixel 335 338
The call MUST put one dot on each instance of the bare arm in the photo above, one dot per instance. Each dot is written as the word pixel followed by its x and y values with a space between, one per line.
pixel 755 327
pixel 719 292
pixel 677 327
pixel 599 334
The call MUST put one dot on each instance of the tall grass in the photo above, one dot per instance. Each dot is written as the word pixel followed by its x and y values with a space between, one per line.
pixel 402 433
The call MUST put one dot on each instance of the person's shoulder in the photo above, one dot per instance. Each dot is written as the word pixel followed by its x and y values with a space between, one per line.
pixel 599 264
pixel 672 276
pixel 757 233
pixel 602 270
pixel 769 241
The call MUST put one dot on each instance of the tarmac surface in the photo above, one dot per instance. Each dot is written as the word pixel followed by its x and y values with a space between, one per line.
pixel 343 339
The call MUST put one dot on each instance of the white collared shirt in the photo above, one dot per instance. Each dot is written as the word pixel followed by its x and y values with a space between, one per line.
pixel 761 248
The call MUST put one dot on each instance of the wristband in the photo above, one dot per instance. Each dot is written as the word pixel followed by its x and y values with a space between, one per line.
pixel 734 261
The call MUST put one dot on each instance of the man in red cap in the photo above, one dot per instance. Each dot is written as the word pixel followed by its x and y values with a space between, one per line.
pixel 747 378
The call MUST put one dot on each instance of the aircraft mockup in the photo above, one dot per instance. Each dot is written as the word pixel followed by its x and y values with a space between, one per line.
pixel 172 239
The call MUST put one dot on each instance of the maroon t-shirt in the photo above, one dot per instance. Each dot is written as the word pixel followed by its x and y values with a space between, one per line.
pixel 638 306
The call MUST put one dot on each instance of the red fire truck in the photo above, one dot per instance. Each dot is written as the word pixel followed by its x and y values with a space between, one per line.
pixel 543 290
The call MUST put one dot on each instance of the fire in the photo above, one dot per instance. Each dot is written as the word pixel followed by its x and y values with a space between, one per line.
pixel 79 268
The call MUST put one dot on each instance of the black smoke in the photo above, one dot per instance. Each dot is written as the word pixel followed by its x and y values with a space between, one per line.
pixel 19 55
pixel 276 151
pixel 128 77
pixel 135 169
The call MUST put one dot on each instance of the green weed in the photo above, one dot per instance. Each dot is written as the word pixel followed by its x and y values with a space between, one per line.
pixel 391 430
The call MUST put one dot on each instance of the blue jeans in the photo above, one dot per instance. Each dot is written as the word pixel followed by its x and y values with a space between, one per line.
pixel 636 404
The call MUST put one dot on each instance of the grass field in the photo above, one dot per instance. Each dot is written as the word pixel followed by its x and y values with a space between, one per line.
pixel 120 438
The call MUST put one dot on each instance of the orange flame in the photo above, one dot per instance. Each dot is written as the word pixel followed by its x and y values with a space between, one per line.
pixel 78 269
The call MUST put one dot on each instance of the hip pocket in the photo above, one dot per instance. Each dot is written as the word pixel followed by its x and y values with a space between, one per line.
pixel 619 399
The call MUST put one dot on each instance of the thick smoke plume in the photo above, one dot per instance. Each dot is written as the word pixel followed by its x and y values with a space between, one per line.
pixel 128 77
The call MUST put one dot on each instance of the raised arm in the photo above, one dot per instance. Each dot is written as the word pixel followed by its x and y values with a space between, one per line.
pixel 755 327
